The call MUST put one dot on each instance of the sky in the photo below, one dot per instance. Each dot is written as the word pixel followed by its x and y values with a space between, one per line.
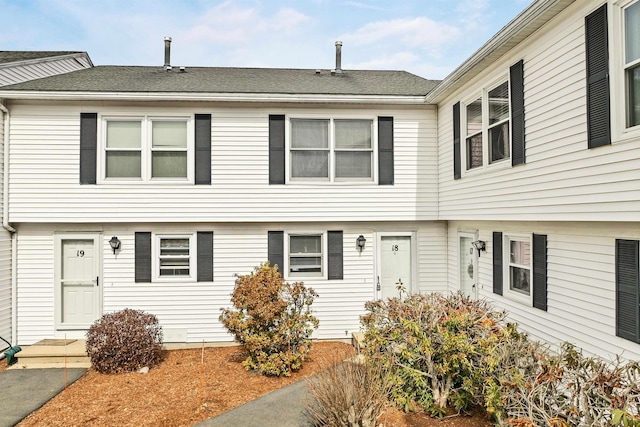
pixel 429 38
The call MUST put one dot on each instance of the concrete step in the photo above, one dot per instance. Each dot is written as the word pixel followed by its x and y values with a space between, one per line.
pixel 53 354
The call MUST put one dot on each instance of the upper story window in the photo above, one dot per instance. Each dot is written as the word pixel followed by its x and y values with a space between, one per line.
pixel 487 128
pixel 331 149
pixel 632 62
pixel 147 149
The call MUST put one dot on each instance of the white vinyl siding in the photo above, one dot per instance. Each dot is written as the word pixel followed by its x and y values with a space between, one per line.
pixel 562 179
pixel 240 190
pixel 580 282
pixel 5 257
pixel 194 307
pixel 19 72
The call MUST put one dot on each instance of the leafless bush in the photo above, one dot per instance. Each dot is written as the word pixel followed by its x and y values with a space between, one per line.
pixel 349 394
pixel 124 341
pixel 568 389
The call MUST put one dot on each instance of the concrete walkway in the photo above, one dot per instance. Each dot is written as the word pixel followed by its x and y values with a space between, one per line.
pixel 280 408
pixel 25 390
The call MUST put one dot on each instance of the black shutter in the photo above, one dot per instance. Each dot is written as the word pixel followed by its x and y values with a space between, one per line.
pixel 335 259
pixel 203 149
pixel 516 76
pixel 276 150
pixel 88 147
pixel 540 271
pixel 143 257
pixel 497 262
pixel 597 48
pixel 385 151
pixel 205 256
pixel 276 249
pixel 627 293
pixel 456 142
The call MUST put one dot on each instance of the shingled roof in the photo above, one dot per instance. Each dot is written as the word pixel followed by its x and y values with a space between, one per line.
pixel 136 79
pixel 8 56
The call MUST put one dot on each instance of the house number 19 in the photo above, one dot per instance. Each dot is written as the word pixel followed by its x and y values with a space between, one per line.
pixel 80 253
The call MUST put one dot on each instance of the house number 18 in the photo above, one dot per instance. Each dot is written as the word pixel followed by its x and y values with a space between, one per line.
pixel 80 253
pixel 394 248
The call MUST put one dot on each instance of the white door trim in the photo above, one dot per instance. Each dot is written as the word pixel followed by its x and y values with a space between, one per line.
pixel 414 259
pixel 97 242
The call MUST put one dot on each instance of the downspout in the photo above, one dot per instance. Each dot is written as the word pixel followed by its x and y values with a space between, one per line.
pixel 7 226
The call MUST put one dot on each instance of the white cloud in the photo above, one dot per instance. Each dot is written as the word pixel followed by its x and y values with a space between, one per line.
pixel 412 32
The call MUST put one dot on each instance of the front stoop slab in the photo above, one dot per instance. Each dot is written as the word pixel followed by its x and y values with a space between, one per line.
pixel 53 354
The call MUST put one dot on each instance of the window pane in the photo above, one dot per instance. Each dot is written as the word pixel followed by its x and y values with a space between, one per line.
pixel 632 32
pixel 309 164
pixel 519 280
pixel 474 151
pixel 123 134
pixel 353 134
pixel 309 133
pixel 305 265
pixel 305 244
pixel 633 84
pixel 169 134
pixel 122 164
pixel 353 164
pixel 169 164
pixel 499 103
pixel 499 140
pixel 520 252
pixel 174 257
pixel 474 117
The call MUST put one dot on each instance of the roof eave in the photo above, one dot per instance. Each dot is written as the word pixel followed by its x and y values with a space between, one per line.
pixel 215 97
pixel 521 27
pixel 47 59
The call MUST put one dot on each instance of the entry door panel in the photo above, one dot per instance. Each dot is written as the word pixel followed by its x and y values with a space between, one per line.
pixel 395 254
pixel 79 282
pixel 468 267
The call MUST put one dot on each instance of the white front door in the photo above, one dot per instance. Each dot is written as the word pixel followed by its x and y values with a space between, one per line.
pixel 468 263
pixel 78 281
pixel 395 266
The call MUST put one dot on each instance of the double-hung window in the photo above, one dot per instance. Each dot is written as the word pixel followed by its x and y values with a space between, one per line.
pixel 305 255
pixel 175 257
pixel 487 128
pixel 331 149
pixel 632 62
pixel 148 149
pixel 518 266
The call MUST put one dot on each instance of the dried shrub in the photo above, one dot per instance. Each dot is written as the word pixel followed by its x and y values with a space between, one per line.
pixel 125 340
pixel 348 394
pixel 434 347
pixel 272 320
pixel 570 389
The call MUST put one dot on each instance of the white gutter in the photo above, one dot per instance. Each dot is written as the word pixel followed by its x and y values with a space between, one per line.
pixel 9 228
pixel 523 25
pixel 215 97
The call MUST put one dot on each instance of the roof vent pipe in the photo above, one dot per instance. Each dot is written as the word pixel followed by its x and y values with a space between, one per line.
pixel 167 52
pixel 338 57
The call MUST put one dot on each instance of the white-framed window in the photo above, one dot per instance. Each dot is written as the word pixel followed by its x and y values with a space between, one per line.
pixel 305 255
pixel 147 148
pixel 631 14
pixel 175 257
pixel 487 127
pixel 518 267
pixel 331 149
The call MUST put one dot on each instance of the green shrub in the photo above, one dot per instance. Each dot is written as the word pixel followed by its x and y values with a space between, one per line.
pixel 125 340
pixel 434 347
pixel 348 394
pixel 272 320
